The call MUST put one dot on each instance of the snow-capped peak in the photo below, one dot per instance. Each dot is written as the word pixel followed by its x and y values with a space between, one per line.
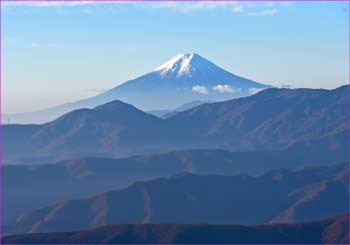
pixel 181 64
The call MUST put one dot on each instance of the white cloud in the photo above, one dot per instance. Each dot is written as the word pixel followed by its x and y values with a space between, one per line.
pixel 181 6
pixel 200 89
pixel 254 90
pixel 265 12
pixel 56 3
pixel 234 6
pixel 237 9
pixel 44 3
pixel 187 7
pixel 59 3
pixel 223 88
pixel 184 7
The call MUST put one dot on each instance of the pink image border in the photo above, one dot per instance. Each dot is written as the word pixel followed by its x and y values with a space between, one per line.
pixel 160 1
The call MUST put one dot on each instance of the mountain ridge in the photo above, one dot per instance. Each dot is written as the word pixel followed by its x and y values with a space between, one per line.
pixel 332 230
pixel 89 175
pixel 273 119
pixel 306 194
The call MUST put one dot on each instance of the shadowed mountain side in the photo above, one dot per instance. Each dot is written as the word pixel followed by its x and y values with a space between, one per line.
pixel 273 119
pixel 333 230
pixel 15 139
pixel 113 128
pixel 42 185
pixel 281 195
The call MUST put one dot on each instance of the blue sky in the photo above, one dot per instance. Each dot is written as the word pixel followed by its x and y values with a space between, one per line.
pixel 59 52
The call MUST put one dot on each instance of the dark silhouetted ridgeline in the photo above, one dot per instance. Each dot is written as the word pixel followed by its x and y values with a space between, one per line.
pixel 329 231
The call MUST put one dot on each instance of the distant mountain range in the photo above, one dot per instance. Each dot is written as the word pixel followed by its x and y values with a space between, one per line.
pixel 273 119
pixel 278 196
pixel 333 230
pixel 183 79
pixel 45 184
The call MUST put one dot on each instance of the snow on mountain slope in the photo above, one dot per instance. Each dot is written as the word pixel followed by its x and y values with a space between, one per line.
pixel 182 79
pixel 184 65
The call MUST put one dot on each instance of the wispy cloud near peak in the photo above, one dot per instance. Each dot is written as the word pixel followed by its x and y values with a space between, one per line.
pixel 200 89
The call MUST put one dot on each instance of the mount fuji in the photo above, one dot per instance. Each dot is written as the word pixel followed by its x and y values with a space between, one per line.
pixel 182 79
